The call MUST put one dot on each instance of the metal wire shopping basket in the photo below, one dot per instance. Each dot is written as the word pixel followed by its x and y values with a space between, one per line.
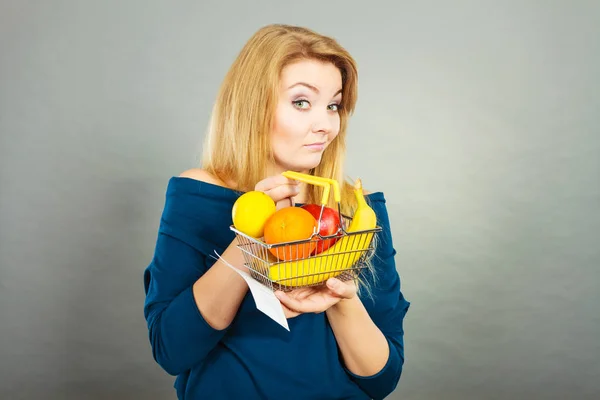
pixel 289 265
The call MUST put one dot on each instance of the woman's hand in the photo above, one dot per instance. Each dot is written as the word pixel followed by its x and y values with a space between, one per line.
pixel 281 189
pixel 316 299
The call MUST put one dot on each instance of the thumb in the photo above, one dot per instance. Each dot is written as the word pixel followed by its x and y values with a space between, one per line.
pixel 340 288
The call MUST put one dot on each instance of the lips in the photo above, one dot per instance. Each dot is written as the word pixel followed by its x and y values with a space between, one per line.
pixel 318 147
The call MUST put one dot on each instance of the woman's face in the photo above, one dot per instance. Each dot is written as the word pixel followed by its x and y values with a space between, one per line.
pixel 307 117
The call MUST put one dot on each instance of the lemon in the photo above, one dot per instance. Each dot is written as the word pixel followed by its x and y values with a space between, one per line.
pixel 250 212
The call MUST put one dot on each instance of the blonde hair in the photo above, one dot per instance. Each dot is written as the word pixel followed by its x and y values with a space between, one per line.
pixel 237 145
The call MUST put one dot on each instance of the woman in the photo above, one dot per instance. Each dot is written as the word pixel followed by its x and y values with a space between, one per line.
pixel 284 105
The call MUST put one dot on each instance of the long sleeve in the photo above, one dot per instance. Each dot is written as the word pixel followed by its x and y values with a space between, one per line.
pixel 189 229
pixel 179 335
pixel 386 306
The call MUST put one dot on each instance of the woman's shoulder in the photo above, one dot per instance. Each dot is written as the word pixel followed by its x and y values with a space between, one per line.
pixel 200 184
pixel 197 209
pixel 202 175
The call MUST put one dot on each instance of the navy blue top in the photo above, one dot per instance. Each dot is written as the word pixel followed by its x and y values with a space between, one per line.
pixel 254 358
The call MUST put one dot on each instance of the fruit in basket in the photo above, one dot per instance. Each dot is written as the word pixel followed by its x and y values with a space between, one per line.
pixel 329 225
pixel 251 211
pixel 290 224
pixel 339 257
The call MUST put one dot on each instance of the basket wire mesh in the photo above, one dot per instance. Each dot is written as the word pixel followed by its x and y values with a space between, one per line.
pixel 295 264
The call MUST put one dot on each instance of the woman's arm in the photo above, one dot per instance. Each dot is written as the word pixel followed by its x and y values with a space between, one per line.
pixel 220 291
pixel 370 334
pixel 190 301
pixel 363 347
pixel 369 329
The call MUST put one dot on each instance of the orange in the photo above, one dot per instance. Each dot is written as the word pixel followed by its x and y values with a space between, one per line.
pixel 290 224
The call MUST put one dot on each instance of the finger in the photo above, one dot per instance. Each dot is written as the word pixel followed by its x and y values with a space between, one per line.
pixel 284 299
pixel 274 181
pixel 289 313
pixel 287 202
pixel 302 293
pixel 304 306
pixel 278 187
pixel 283 192
pixel 341 289
pixel 290 303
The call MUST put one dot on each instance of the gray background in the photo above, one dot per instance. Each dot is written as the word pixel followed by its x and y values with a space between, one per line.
pixel 479 121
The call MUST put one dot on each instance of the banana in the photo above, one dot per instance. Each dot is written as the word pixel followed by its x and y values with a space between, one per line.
pixel 339 257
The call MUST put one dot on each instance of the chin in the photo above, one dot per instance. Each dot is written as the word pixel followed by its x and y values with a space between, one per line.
pixel 309 164
pixel 302 164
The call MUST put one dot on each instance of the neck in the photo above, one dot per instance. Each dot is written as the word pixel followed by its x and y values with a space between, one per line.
pixel 272 170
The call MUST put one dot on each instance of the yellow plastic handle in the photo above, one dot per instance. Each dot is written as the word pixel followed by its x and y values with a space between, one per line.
pixel 318 181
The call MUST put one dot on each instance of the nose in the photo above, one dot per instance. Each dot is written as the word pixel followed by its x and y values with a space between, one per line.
pixel 322 123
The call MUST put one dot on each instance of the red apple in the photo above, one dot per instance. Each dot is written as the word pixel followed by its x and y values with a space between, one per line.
pixel 329 225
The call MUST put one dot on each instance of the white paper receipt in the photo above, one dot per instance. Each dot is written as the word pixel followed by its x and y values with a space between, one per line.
pixel 265 299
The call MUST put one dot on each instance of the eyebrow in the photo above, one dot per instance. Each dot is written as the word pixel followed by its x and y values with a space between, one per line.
pixel 311 87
